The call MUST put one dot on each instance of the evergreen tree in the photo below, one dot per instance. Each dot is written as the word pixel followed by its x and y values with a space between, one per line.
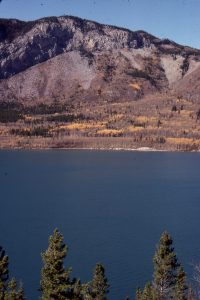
pixel 165 267
pixel 9 290
pixel 4 274
pixel 139 294
pixel 78 290
pixel 55 282
pixel 86 291
pixel 98 288
pixel 13 291
pixel 149 292
pixel 180 291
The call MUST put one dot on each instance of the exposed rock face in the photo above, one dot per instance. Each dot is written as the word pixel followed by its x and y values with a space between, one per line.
pixel 70 58
pixel 26 44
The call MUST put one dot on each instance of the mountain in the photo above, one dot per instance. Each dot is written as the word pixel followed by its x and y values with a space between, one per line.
pixel 102 81
pixel 67 57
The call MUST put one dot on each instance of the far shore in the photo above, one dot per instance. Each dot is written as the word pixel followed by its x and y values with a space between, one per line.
pixel 91 143
pixel 140 149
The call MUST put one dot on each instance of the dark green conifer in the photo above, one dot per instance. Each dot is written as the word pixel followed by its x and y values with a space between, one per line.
pixel 86 291
pixel 55 282
pixel 98 287
pixel 78 291
pixel 4 273
pixel 139 294
pixel 180 291
pixel 149 292
pixel 9 290
pixel 165 267
pixel 13 291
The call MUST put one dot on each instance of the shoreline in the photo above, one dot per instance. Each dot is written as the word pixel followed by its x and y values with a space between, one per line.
pixel 92 144
pixel 119 149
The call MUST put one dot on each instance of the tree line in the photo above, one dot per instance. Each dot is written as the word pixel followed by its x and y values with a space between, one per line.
pixel 169 278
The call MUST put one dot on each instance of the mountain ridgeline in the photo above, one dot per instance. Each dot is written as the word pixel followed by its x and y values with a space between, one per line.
pixel 68 57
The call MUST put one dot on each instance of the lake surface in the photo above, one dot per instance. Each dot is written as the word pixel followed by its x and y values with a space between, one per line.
pixel 110 206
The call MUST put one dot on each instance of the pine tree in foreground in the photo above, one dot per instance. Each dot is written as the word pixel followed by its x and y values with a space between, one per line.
pixel 78 291
pixel 98 287
pixel 181 288
pixel 4 274
pixel 149 293
pixel 169 278
pixel 55 282
pixel 139 294
pixel 9 290
pixel 165 268
pixel 14 292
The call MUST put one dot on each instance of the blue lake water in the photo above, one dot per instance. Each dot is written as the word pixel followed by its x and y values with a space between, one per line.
pixel 110 206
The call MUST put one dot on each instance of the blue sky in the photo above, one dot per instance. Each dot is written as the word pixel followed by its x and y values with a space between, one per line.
pixel 174 19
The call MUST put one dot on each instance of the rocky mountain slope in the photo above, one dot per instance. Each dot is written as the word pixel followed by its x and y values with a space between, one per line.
pixel 68 82
pixel 68 58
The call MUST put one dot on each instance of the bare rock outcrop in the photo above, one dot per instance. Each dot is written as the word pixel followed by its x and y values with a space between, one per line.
pixel 71 58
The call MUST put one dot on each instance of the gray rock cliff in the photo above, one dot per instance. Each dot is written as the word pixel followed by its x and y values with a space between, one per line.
pixel 62 56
